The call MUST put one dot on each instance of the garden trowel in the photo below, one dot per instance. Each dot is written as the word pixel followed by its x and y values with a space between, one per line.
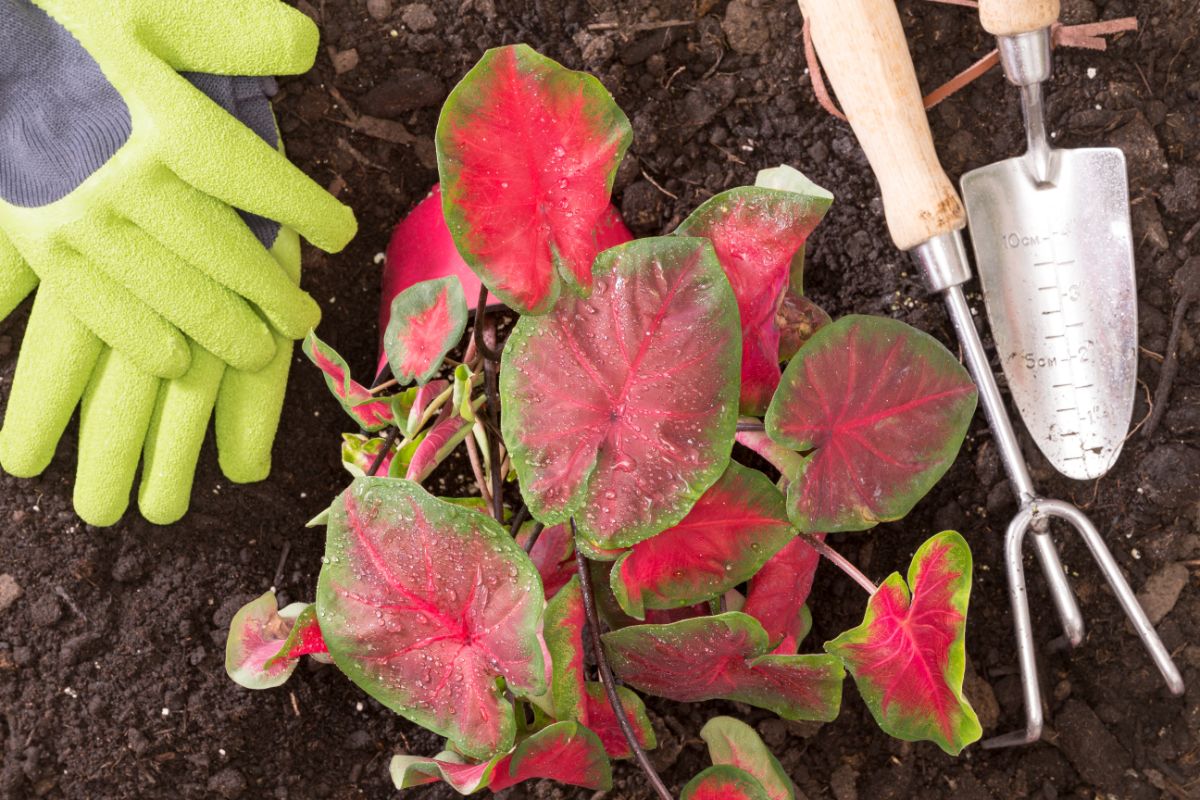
pixel 1054 251
pixel 862 45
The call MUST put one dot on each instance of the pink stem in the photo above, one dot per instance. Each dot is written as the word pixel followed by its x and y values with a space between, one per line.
pixel 841 562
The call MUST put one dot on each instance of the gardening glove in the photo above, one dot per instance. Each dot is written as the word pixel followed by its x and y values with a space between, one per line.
pixel 119 177
pixel 127 414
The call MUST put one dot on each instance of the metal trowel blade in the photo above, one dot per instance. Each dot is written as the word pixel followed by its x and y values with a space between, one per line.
pixel 1055 261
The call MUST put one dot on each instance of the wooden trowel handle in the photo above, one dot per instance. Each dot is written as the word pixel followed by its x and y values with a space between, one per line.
pixel 862 47
pixel 1011 17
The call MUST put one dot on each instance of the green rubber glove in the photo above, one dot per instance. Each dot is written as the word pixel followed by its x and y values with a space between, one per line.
pixel 148 252
pixel 128 415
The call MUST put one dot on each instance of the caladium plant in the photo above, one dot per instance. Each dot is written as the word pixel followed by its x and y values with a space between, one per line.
pixel 615 545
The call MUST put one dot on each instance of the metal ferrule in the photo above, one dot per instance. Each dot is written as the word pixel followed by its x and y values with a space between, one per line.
pixel 1026 56
pixel 943 261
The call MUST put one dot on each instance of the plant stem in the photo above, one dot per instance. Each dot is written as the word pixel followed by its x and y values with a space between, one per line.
pixel 751 425
pixel 518 520
pixel 606 674
pixel 480 314
pixel 841 562
pixel 533 536
pixel 389 439
pixel 491 360
pixel 477 468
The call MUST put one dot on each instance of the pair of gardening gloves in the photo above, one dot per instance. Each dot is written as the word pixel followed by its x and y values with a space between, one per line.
pixel 144 195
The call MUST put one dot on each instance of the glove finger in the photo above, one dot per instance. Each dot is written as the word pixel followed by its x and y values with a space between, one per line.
pixel 113 419
pixel 207 312
pixel 247 417
pixel 57 357
pixel 176 433
pixel 211 237
pixel 120 320
pixel 17 280
pixel 212 151
pixel 247 37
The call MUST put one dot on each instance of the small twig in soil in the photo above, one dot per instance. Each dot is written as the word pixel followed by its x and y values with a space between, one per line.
pixel 641 26
pixel 533 536
pixel 61 592
pixel 606 674
pixel 388 440
pixel 1189 292
pixel 841 562
pixel 283 557
pixel 656 185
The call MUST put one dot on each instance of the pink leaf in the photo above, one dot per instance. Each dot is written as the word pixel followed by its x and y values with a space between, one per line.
pixel 368 412
pixel 724 782
pixel 553 554
pixel 409 771
pixel 780 589
pixel 265 644
pixel 908 656
pixel 732 530
pixel 564 640
pixel 427 320
pixel 882 407
pixel 527 153
pixel 620 409
pixel 733 742
pixel 421 248
pixel 603 720
pixel 757 234
pixel 565 752
pixel 425 604
pixel 726 656
pixel 447 433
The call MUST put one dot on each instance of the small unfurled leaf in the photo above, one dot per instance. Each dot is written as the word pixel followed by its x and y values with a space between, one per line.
pixel 603 720
pixel 565 752
pixel 370 413
pixel 425 605
pixel 724 782
pixel 798 319
pixel 882 407
pixel 727 656
pixel 757 234
pixel 908 656
pixel 427 320
pixel 409 771
pixel 527 153
pixel 564 640
pixel 735 526
pixel 447 433
pixel 733 742
pixel 265 644
pixel 620 409
pixel 359 453
pixel 780 589
pixel 553 554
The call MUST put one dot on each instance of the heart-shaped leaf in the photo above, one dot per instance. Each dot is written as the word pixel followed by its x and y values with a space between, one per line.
pixel 724 782
pixel 908 656
pixel 726 656
pixel 620 408
pixel 265 644
pixel 882 407
pixel 425 604
pixel 527 152
pixel 565 752
pixel 779 590
pixel 603 720
pixel 731 531
pixel 733 742
pixel 564 640
pixel 757 234
pixel 427 320
pixel 370 413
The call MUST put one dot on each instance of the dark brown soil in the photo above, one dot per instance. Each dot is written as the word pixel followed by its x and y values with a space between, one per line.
pixel 111 678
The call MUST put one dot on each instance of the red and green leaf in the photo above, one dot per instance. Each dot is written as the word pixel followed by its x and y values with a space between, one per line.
pixel 425 605
pixel 757 234
pixel 369 412
pixel 427 320
pixel 731 531
pixel 725 657
pixel 564 640
pixel 565 752
pixel 620 408
pixel 447 433
pixel 409 771
pixel 733 742
pixel 265 644
pixel 359 453
pixel 880 409
pixel 779 590
pixel 553 554
pixel 527 153
pixel 603 720
pixel 908 656
pixel 724 782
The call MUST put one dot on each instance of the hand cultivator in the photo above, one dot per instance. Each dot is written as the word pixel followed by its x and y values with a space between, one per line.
pixel 862 46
